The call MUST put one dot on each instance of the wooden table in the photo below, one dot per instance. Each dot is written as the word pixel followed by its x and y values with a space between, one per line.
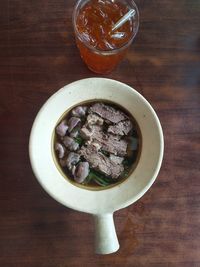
pixel 37 57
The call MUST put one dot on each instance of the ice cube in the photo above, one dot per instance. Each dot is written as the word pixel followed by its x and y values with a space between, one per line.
pixel 101 29
pixel 108 45
pixel 86 37
pixel 118 35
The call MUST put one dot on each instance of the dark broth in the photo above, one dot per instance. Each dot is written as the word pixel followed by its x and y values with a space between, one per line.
pixel 130 161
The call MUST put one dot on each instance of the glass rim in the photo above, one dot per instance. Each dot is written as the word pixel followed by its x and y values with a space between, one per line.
pixel 94 49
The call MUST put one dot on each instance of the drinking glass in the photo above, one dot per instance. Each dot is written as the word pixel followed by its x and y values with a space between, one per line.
pixel 98 60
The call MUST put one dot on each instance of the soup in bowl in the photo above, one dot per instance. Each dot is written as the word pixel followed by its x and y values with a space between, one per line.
pixel 96 144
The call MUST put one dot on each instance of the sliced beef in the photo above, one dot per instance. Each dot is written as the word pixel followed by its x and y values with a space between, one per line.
pixel 62 128
pixel 81 172
pixel 96 145
pixel 109 142
pixel 79 111
pixel 100 144
pixel 72 123
pixel 113 145
pixel 94 119
pixel 91 132
pixel 116 159
pixel 108 113
pixel 71 160
pixel 100 162
pixel 86 133
pixel 70 143
pixel 121 128
pixel 60 149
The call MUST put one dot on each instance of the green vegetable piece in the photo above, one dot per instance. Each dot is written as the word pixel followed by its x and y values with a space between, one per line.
pixel 79 140
pixel 100 179
pixel 88 179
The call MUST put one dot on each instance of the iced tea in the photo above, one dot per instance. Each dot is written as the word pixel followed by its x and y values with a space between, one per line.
pixel 100 47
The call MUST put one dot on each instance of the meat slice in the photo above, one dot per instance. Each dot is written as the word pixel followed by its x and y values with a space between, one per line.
pixel 109 142
pixel 86 133
pixel 116 159
pixel 108 113
pixel 113 145
pixel 94 119
pixel 100 162
pixel 90 132
pixel 121 128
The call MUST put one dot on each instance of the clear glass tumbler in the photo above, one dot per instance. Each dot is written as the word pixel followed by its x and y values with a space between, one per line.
pixel 100 47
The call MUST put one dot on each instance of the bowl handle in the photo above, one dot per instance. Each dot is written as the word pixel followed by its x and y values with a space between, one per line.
pixel 106 241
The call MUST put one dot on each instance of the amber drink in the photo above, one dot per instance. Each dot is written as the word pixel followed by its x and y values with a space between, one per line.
pixel 102 48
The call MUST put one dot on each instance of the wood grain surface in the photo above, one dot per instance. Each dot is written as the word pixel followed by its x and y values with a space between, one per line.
pixel 37 57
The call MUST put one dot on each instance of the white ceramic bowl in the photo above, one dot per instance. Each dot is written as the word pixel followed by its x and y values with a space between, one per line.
pixel 100 203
